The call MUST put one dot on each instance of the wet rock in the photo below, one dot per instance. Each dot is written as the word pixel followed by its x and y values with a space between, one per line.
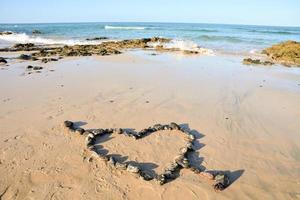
pixel 68 124
pixel 132 168
pixel 174 126
pixel 222 182
pixel 121 166
pixel 250 61
pixel 36 32
pixel 287 53
pixel 97 38
pixel 25 46
pixel 6 33
pixel 2 61
pixel 25 57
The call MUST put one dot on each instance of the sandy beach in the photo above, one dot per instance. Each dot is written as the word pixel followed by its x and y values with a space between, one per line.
pixel 245 119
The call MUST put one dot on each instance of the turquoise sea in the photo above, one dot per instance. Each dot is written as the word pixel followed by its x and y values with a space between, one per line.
pixel 218 37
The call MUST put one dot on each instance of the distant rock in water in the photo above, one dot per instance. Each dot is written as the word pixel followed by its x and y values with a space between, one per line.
pixel 250 61
pixel 23 46
pixel 287 53
pixel 2 61
pixel 36 32
pixel 97 38
pixel 6 33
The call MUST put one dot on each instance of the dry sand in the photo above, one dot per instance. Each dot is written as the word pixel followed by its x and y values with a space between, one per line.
pixel 246 119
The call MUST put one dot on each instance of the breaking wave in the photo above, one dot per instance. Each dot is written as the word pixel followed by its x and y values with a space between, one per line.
pixel 126 27
pixel 24 38
pixel 183 45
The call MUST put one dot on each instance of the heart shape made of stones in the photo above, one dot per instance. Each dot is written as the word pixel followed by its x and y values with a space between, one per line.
pixel 171 172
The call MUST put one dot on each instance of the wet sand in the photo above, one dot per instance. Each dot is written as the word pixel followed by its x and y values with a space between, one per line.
pixel 245 118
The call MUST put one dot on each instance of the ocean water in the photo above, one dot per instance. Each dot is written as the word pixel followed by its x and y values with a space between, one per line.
pixel 217 37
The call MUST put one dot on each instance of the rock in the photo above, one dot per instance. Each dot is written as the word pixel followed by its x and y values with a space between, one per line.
pixel 122 166
pixel 68 124
pixel 183 162
pixel 36 32
pixel 25 57
pixel 174 126
pixel 132 168
pixel 80 131
pixel 158 127
pixel 161 179
pixel 118 131
pixel 37 68
pixel 46 60
pixel 286 53
pixel 2 60
pixel 98 132
pixel 249 61
pixel 189 146
pixel 29 67
pixel 173 167
pixel 6 33
pixel 222 182
pixel 23 46
pixel 97 38
pixel 195 170
pixel 112 161
pixel 146 176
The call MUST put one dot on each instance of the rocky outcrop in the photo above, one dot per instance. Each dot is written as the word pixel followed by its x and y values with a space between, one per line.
pixel 250 61
pixel 287 53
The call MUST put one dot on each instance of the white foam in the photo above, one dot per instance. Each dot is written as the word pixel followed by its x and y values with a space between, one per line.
pixel 24 38
pixel 183 45
pixel 125 27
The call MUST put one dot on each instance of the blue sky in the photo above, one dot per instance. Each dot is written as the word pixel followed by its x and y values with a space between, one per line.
pixel 261 12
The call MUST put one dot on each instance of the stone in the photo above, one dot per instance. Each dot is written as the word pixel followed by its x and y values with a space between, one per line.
pixel 37 68
pixel 80 131
pixel 132 168
pixel 158 127
pixel 68 124
pixel 112 161
pixel 29 67
pixel 122 166
pixel 174 126
pixel 221 182
pixel 2 60
pixel 46 60
pixel 6 33
pixel 118 131
pixel 250 61
pixel 25 57
pixel 161 179
pixel 145 176
pixel 98 132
